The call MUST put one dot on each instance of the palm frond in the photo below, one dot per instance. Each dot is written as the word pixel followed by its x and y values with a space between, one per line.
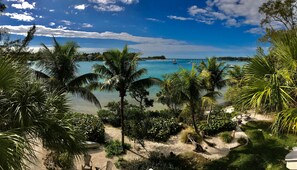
pixel 83 80
pixel 85 94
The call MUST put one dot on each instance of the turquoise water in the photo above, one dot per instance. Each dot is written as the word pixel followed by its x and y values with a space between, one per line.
pixel 156 68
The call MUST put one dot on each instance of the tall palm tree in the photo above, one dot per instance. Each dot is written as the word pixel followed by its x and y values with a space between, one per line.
pixel 192 89
pixel 60 71
pixel 213 73
pixel 120 73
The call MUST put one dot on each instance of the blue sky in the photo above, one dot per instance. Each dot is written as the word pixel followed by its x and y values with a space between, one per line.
pixel 174 28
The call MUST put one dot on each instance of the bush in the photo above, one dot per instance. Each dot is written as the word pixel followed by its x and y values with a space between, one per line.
pixel 109 117
pixel 242 141
pixel 142 125
pixel 55 161
pixel 114 148
pixel 189 131
pixel 226 137
pixel 256 135
pixel 89 125
pixel 158 161
pixel 217 126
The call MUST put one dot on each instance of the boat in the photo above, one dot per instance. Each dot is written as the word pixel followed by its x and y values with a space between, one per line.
pixel 174 61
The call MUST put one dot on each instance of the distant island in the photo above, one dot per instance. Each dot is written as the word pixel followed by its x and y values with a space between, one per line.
pixel 233 58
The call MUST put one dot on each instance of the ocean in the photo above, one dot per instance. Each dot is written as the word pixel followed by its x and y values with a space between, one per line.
pixel 156 68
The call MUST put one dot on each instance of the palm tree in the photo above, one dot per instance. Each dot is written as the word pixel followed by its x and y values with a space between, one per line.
pixel 235 76
pixel 213 74
pixel 120 73
pixel 267 87
pixel 170 93
pixel 61 71
pixel 28 111
pixel 191 88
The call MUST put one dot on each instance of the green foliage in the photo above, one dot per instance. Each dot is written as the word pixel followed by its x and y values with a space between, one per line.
pixel 158 161
pixel 59 70
pixel 89 125
pixel 189 132
pixel 109 117
pixel 256 135
pixel 148 125
pixel 114 148
pixel 217 126
pixel 242 140
pixel 56 160
pixel 257 154
pixel 226 137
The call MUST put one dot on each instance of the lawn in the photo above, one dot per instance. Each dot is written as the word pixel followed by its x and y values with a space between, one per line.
pixel 264 150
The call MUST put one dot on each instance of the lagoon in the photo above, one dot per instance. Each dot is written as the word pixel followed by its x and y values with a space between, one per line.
pixel 156 68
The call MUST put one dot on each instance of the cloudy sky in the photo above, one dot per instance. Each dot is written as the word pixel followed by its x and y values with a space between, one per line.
pixel 175 28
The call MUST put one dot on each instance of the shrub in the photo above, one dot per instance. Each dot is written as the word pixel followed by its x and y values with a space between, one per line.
pixel 56 160
pixel 189 131
pixel 114 148
pixel 226 137
pixel 217 126
pixel 242 141
pixel 256 135
pixel 89 125
pixel 140 125
pixel 161 129
pixel 158 161
pixel 109 117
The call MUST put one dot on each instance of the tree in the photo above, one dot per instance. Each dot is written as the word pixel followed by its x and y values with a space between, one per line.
pixel 213 74
pixel 2 7
pixel 279 11
pixel 170 94
pixel 28 111
pixel 60 71
pixel 235 76
pixel 140 94
pixel 120 73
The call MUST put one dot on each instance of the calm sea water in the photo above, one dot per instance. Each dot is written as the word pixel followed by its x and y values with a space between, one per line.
pixel 156 68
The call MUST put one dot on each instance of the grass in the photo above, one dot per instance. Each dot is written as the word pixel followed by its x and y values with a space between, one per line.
pixel 264 150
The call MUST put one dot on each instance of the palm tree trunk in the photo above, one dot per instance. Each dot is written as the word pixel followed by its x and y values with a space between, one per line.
pixel 122 122
pixel 193 119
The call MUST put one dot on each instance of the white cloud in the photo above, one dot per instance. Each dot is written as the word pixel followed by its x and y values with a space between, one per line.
pixel 24 5
pixel 154 20
pixel 66 22
pixel 86 25
pixel 52 24
pixel 179 18
pixel 51 10
pixel 103 1
pixel 111 5
pixel 146 45
pixel 80 7
pixel 193 10
pixel 129 1
pixel 109 8
pixel 256 30
pixel 230 12
pixel 21 17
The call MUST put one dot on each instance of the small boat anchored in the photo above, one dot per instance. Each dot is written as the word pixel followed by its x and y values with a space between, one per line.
pixel 174 61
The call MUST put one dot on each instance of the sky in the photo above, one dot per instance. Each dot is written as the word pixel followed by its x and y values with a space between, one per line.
pixel 174 28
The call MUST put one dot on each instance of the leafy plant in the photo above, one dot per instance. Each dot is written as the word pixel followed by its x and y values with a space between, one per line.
pixel 56 160
pixel 242 141
pixel 217 126
pixel 226 137
pixel 114 148
pixel 89 125
pixel 189 132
